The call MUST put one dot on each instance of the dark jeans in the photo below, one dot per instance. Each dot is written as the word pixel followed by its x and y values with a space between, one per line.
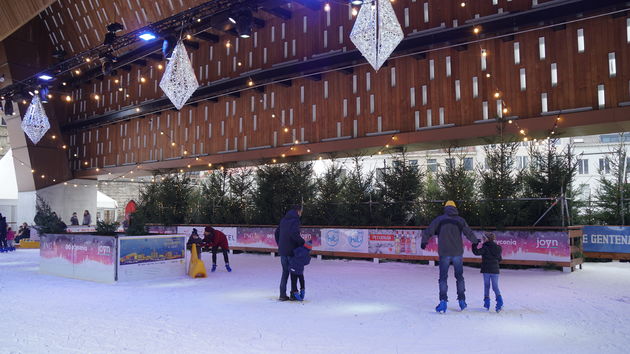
pixel 215 249
pixel 491 278
pixel 294 280
pixel 3 242
pixel 284 261
pixel 458 265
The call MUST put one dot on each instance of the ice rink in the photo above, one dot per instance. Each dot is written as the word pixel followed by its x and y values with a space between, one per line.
pixel 351 307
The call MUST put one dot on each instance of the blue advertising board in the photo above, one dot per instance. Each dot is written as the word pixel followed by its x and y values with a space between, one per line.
pixel 614 239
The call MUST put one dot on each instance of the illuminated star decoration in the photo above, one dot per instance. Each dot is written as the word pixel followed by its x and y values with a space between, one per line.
pixel 376 32
pixel 35 123
pixel 179 81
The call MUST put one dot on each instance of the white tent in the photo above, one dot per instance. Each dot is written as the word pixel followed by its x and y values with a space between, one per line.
pixel 8 189
pixel 103 201
pixel 8 181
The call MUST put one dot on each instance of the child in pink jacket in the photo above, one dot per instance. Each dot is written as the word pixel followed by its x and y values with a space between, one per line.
pixel 10 238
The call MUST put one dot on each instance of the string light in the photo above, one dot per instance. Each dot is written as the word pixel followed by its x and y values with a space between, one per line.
pixel 116 81
pixel 68 99
pixel 354 11
pixel 463 4
pixel 286 130
pixel 160 67
pixel 142 79
pixel 477 29
pixel 327 7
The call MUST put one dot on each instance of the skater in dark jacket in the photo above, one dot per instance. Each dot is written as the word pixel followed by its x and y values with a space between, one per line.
pixel 214 239
pixel 490 254
pixel 288 239
pixel 449 228
pixel 301 258
pixel 3 234
pixel 195 240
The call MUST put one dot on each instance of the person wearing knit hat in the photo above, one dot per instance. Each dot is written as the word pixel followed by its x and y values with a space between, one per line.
pixel 195 239
pixel 449 228
pixel 214 239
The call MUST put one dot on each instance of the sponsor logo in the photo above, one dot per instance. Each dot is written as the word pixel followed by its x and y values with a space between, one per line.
pixel 104 250
pixel 332 238
pixel 355 240
pixel 546 243
pixel 506 242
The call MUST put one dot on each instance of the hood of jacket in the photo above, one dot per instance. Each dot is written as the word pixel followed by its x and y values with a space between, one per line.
pixel 450 211
pixel 292 214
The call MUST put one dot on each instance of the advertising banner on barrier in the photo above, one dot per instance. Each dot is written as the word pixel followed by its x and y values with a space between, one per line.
pixel 80 229
pixel 86 257
pixel 614 239
pixel 551 246
pixel 148 257
pixel 344 240
pixel 260 237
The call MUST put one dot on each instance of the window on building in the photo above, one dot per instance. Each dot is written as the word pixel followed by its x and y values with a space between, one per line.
pixel 522 162
pixel 468 163
pixel 582 166
pixel 450 163
pixel 601 96
pixel 554 74
pixel 432 165
pixel 580 40
pixel 541 48
pixel 612 65
pixel 604 166
pixel 523 79
pixel 613 138
pixel 517 53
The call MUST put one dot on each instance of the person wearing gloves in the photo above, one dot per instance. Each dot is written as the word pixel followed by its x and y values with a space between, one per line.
pixel 449 228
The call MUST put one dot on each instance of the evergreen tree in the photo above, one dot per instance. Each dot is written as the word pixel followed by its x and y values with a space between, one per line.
pixel 356 194
pixel 46 219
pixel 550 175
pixel 498 183
pixel 432 203
pixel 612 196
pixel 214 201
pixel 399 189
pixel 457 183
pixel 280 186
pixel 239 208
pixel 167 201
pixel 327 204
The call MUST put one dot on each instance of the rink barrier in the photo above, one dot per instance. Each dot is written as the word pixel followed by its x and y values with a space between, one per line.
pixel 541 246
pixel 607 242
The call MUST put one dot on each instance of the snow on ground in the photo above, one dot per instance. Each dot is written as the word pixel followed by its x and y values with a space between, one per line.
pixel 352 307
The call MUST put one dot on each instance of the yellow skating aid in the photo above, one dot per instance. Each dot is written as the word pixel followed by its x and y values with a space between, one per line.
pixel 196 267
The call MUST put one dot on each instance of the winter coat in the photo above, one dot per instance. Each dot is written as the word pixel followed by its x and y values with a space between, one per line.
pixel 216 239
pixel 74 221
pixel 490 254
pixel 449 228
pixel 301 257
pixel 288 233
pixel 197 241
pixel 3 227
pixel 10 235
pixel 87 219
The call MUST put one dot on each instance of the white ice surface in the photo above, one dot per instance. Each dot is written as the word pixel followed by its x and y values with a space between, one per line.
pixel 352 307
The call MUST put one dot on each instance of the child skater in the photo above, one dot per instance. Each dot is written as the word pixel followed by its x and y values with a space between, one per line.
pixel 10 238
pixel 301 257
pixel 195 239
pixel 490 254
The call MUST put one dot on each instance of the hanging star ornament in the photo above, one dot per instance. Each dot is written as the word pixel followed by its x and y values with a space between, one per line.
pixel 179 81
pixel 376 32
pixel 35 123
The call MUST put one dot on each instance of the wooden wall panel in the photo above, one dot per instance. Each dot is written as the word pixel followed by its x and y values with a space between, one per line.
pixel 579 74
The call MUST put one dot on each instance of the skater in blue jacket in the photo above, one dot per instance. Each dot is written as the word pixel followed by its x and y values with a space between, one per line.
pixel 490 254
pixel 301 258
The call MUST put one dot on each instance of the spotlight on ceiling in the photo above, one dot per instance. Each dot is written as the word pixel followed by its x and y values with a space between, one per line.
pixel 115 27
pixel 8 107
pixel 232 19
pixel 147 36
pixel 244 21
pixel 356 2
pixel 110 36
pixel 107 64
pixel 168 45
pixel 43 94
pixel 45 77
